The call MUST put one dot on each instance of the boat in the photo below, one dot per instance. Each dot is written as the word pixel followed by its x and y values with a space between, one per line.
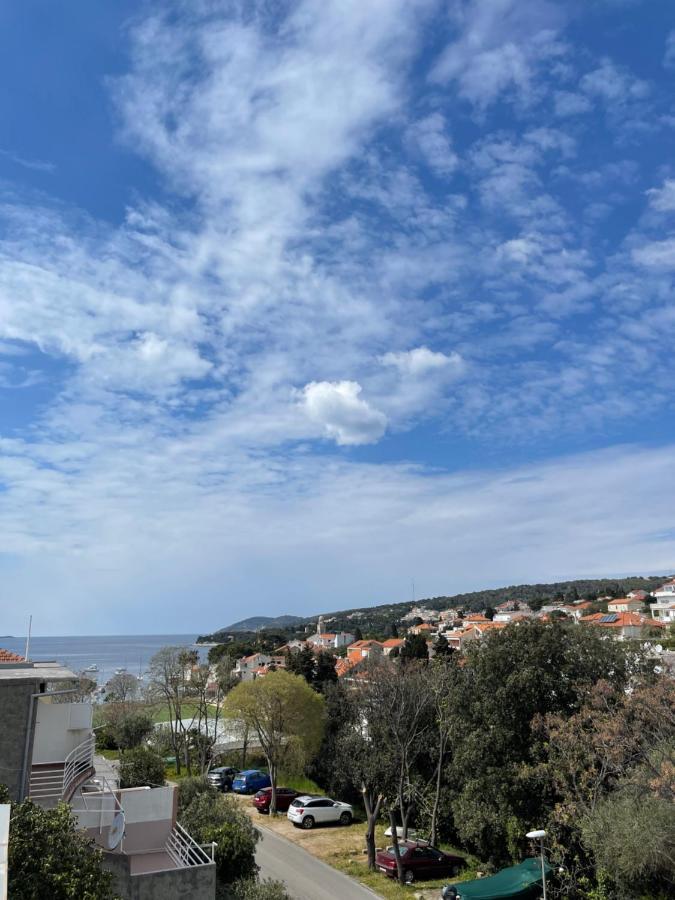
pixel 120 671
pixel 92 668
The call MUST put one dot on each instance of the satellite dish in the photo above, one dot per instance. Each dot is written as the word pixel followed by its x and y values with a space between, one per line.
pixel 116 832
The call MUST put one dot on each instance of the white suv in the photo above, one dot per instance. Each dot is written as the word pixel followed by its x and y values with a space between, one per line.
pixel 306 812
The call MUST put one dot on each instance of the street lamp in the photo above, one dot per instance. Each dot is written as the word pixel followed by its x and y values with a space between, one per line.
pixel 534 836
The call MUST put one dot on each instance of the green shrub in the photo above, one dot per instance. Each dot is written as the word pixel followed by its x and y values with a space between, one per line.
pixel 218 818
pixel 141 767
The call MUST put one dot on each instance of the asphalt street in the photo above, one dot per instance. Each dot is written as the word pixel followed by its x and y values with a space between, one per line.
pixel 306 877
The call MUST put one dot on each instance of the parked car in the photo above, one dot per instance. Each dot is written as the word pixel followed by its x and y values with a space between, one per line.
pixel 222 778
pixel 420 860
pixel 250 781
pixel 306 812
pixel 285 796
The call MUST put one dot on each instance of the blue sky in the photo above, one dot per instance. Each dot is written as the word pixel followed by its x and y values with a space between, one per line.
pixel 300 301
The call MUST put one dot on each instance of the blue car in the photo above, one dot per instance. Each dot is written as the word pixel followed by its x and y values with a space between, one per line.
pixel 250 781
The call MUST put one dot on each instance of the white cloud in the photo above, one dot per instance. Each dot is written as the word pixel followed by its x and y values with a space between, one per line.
pixel 338 408
pixel 613 84
pixel 568 103
pixel 657 254
pixel 669 56
pixel 429 136
pixel 499 47
pixel 422 361
pixel 663 198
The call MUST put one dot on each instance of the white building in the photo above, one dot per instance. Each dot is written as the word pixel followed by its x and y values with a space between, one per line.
pixel 47 748
pixel 663 608
pixel 245 668
pixel 329 640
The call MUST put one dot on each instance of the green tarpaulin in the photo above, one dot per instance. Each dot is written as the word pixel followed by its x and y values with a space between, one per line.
pixel 523 880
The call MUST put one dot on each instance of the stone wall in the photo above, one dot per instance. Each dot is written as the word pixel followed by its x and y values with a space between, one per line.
pixel 14 709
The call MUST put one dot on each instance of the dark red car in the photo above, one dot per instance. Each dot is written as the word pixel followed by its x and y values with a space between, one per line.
pixel 420 860
pixel 285 796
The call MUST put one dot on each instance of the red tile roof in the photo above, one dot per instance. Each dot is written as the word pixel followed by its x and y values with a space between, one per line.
pixel 6 656
pixel 621 620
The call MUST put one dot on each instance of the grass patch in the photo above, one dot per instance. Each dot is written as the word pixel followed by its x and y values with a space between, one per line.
pixel 160 714
pixel 299 783
pixel 109 754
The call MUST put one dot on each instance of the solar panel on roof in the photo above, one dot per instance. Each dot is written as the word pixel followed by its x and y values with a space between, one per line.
pixel 607 620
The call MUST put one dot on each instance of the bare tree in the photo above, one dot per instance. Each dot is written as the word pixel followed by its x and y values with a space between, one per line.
pixel 170 672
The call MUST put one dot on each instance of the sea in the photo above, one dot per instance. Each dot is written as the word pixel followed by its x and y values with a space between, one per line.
pixel 108 652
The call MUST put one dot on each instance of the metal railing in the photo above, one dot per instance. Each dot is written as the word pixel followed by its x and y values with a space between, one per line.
pixel 97 804
pixel 78 764
pixel 185 851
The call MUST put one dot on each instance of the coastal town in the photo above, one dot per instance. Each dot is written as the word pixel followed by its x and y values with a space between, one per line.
pixel 638 615
pixel 129 758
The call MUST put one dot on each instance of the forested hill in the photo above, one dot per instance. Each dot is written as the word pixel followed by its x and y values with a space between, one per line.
pixel 378 618
pixel 374 620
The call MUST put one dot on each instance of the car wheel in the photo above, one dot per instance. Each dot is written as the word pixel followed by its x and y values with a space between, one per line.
pixel 308 822
pixel 345 819
pixel 408 876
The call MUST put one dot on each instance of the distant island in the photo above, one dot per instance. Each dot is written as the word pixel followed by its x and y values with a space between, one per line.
pixel 378 619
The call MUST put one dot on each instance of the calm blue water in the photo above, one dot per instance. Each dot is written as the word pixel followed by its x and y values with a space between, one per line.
pixel 108 652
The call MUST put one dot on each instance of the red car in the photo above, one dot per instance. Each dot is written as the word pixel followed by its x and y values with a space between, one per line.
pixel 285 796
pixel 420 860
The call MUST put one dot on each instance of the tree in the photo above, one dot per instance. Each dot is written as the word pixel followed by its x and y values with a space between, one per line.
pixel 168 671
pixel 442 648
pixel 612 764
pixel 393 630
pixel 324 672
pixel 210 816
pixel 394 710
pixel 287 716
pixel 141 767
pixel 489 612
pixel 358 634
pixel 414 647
pixel 358 761
pixel 50 857
pixel 131 729
pixel 509 679
pixel 122 688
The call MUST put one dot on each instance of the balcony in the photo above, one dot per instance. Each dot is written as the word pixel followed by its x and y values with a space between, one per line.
pixel 141 839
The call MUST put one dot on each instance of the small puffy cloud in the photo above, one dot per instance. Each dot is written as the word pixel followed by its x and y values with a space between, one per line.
pixel 669 56
pixel 613 85
pixel 499 48
pixel 663 199
pixel 421 361
pixel 429 136
pixel 656 255
pixel 567 103
pixel 343 415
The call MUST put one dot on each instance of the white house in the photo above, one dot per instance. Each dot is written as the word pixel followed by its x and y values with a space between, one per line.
pixel 663 608
pixel 245 668
pixel 329 640
pixel 625 604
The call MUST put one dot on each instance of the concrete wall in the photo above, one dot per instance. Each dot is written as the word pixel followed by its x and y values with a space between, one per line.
pixel 193 883
pixel 59 728
pixel 14 731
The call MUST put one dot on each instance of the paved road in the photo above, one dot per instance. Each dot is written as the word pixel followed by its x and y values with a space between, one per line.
pixel 306 877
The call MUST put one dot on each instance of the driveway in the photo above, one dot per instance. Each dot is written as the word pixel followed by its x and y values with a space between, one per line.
pixel 306 877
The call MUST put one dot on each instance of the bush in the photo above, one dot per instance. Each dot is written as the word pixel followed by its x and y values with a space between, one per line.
pixel 50 857
pixel 189 788
pixel 218 818
pixel 141 767
pixel 250 889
